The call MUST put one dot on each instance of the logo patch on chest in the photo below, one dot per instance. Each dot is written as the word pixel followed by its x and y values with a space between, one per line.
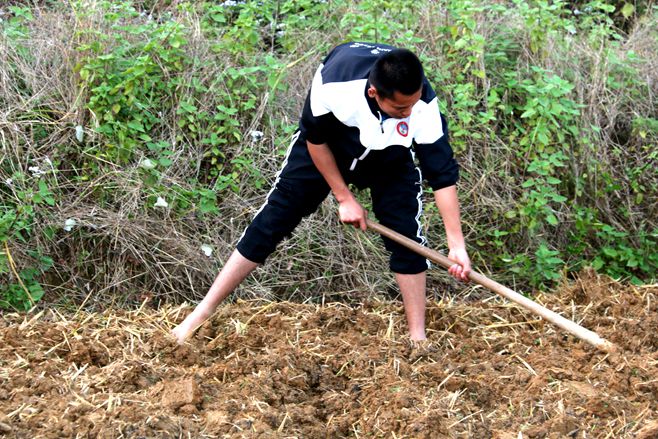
pixel 403 128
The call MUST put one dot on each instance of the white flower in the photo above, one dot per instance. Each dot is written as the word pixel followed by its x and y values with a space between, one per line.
pixel 79 133
pixel 9 181
pixel 147 164
pixel 161 202
pixel 69 224
pixel 207 250
pixel 256 135
pixel 36 171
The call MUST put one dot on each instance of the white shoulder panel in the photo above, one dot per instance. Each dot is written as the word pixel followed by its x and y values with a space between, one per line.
pixel 426 122
pixel 318 105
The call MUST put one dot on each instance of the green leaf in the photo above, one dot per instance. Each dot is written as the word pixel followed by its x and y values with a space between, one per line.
pixel 226 110
pixel 218 18
pixel 552 220
pixel 597 263
pixel 636 281
pixel 528 113
pixel 188 107
pixel 165 161
pixel 136 125
pixel 628 10
pixel 611 252
pixel 36 291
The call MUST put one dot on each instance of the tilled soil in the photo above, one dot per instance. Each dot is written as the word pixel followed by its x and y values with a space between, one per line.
pixel 490 370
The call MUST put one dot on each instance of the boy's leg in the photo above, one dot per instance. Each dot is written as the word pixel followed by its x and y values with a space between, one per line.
pixel 286 205
pixel 412 287
pixel 236 269
pixel 297 192
pixel 397 204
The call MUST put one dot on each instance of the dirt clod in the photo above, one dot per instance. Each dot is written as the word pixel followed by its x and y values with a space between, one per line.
pixel 183 393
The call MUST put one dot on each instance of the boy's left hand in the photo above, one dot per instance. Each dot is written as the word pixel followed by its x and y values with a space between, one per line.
pixel 462 268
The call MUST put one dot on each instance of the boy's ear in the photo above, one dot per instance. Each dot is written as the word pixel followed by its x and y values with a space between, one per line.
pixel 372 91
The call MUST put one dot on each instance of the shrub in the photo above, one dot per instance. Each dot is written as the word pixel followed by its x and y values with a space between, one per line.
pixel 158 127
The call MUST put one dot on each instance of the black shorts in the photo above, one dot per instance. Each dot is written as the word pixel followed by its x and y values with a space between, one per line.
pixel 299 189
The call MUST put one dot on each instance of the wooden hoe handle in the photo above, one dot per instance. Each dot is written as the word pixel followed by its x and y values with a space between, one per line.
pixel 545 313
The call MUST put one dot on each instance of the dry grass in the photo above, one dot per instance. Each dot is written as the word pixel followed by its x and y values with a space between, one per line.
pixel 123 250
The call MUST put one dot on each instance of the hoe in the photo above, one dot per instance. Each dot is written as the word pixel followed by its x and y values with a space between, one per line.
pixel 545 313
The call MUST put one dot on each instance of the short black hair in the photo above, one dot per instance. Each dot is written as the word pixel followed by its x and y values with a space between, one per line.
pixel 398 70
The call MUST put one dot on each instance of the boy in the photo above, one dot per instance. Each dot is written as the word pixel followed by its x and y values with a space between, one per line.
pixel 370 112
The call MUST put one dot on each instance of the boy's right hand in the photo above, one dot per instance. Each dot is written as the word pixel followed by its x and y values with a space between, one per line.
pixel 351 212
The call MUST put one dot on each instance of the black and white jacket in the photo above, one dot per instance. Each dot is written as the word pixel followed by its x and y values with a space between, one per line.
pixel 339 112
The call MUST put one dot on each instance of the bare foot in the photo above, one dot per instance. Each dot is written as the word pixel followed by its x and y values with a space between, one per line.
pixel 180 333
pixel 422 348
pixel 195 319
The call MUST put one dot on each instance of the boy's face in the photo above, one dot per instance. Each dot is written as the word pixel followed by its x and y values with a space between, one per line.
pixel 398 106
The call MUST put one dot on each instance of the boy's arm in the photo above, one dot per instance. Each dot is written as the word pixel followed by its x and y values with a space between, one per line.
pixel 349 210
pixel 448 203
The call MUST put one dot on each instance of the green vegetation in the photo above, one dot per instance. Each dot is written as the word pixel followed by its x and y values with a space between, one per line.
pixel 137 137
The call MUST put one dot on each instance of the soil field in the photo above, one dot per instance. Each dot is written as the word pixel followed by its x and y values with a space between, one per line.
pixel 490 370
